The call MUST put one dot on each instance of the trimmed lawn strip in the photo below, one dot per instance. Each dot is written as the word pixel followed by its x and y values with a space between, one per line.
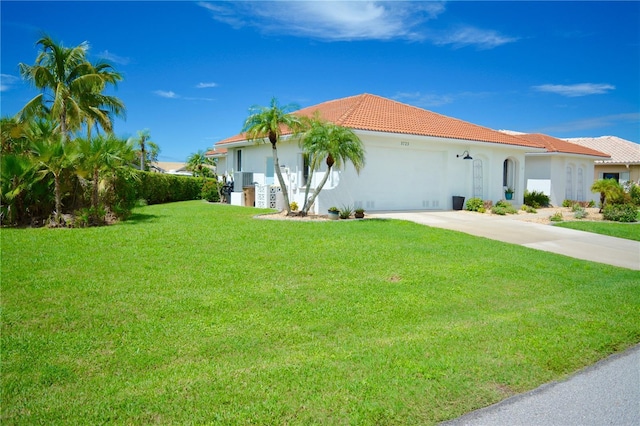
pixel 199 313
pixel 629 231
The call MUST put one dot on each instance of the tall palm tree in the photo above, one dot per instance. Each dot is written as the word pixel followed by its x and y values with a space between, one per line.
pixel 610 191
pixel 269 123
pixel 144 148
pixel 17 175
pixel 71 87
pixel 335 146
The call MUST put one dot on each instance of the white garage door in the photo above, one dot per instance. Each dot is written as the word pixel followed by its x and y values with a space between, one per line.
pixel 401 179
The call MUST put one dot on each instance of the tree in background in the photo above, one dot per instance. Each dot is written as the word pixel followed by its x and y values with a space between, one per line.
pixel 145 149
pixel 268 123
pixel 200 165
pixel 71 88
pixel 332 144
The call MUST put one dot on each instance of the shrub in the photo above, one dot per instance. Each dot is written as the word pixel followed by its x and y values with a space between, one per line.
pixel 158 188
pixel 536 199
pixel 620 212
pixel 346 212
pixel 474 204
pixel 528 209
pixel 503 207
pixel 634 192
pixel 567 203
pixel 487 204
pixel 579 212
pixel 556 217
pixel 293 206
pixel 210 191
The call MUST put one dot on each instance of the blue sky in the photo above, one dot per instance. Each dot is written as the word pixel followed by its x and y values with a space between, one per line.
pixel 192 69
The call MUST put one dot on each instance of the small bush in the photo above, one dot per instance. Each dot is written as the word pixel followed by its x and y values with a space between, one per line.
pixel 293 206
pixel 620 212
pixel 345 212
pixel 567 203
pixel 536 199
pixel 579 212
pixel 528 209
pixel 474 204
pixel 634 193
pixel 487 204
pixel 556 217
pixel 503 207
pixel 210 191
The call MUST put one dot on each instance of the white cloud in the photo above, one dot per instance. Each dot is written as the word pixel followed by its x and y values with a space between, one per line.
pixel 593 123
pixel 7 81
pixel 575 90
pixel 428 100
pixel 166 94
pixel 334 21
pixel 112 57
pixel 206 85
pixel 471 36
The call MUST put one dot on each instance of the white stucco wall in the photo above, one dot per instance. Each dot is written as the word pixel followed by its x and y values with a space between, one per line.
pixel 570 176
pixel 402 172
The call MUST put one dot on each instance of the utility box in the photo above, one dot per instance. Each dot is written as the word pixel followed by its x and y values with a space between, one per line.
pixel 249 196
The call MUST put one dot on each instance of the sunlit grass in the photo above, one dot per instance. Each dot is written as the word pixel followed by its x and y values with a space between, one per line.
pixel 629 231
pixel 199 313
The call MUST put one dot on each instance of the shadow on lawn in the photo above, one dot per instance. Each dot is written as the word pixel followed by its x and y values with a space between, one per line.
pixel 136 218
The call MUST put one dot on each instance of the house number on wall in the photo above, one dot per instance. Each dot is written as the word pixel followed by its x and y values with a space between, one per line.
pixel 404 143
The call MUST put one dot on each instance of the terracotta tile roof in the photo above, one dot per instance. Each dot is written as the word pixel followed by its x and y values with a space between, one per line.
pixel 621 151
pixel 558 145
pixel 216 152
pixel 378 114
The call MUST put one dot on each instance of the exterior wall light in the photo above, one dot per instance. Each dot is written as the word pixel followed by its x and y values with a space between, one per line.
pixel 465 156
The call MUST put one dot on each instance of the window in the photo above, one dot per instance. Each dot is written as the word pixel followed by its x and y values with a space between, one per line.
pixel 239 160
pixel 615 176
pixel 508 179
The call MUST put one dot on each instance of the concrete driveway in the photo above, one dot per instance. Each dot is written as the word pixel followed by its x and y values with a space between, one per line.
pixel 511 229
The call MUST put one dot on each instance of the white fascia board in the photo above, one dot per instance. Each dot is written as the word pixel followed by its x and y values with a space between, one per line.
pixel 462 143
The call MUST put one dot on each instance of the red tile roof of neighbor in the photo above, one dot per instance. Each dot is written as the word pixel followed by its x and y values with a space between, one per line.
pixel 621 151
pixel 558 145
pixel 215 152
pixel 375 113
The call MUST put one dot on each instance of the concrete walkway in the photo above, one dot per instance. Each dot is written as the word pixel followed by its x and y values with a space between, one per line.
pixel 606 393
pixel 512 229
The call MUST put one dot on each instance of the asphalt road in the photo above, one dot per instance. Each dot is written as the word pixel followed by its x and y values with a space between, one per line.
pixel 606 393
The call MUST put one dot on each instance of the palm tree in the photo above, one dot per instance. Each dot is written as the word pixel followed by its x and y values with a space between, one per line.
pixel 17 175
pixel 100 156
pixel 71 87
pixel 269 123
pixel 53 156
pixel 199 164
pixel 144 148
pixel 335 146
pixel 610 191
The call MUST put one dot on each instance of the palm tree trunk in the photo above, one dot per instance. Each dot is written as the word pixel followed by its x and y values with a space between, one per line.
pixel 318 189
pixel 142 155
pixel 56 183
pixel 94 195
pixel 276 165
pixel 307 206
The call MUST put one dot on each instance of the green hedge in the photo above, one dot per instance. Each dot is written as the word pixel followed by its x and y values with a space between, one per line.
pixel 158 188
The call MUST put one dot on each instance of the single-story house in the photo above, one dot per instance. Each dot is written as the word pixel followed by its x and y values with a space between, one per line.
pixel 172 168
pixel 563 172
pixel 415 160
pixel 624 164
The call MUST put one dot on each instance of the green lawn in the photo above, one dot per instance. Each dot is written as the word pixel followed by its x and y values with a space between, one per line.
pixel 198 313
pixel 630 231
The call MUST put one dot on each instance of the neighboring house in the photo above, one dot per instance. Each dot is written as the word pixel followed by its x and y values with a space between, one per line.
pixel 170 168
pixel 563 172
pixel 415 160
pixel 624 164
